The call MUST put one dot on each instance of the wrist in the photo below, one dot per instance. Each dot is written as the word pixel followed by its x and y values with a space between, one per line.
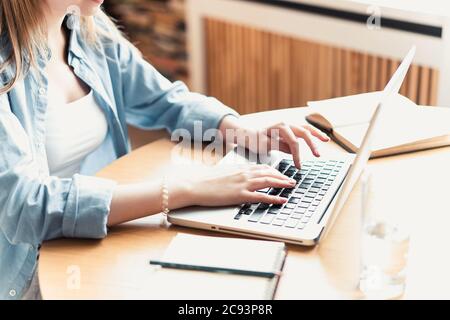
pixel 229 125
pixel 180 194
pixel 233 131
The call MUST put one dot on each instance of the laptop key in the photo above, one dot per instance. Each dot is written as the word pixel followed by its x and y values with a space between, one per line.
pixel 291 223
pixel 242 210
pixel 294 200
pixel 256 215
pixel 268 218
pixel 301 226
pixel 300 210
pixel 305 219
pixel 276 206
pixel 289 206
pixel 286 193
pixel 282 217
pixel 283 165
pixel 278 222
pixel 297 216
pixel 275 191
pixel 238 216
pixel 274 210
pixel 317 185
pixel 290 173
pixel 263 206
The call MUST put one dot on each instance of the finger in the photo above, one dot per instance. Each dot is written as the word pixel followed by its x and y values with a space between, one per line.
pixel 289 138
pixel 284 147
pixel 271 174
pixel 265 182
pixel 317 133
pixel 255 197
pixel 267 171
pixel 259 167
pixel 308 138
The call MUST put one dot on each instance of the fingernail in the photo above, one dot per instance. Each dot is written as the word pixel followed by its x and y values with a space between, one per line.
pixel 292 181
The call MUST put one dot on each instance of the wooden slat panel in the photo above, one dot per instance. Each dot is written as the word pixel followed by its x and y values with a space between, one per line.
pixel 364 70
pixel 424 86
pixel 372 76
pixel 336 56
pixel 413 85
pixel 253 70
pixel 434 87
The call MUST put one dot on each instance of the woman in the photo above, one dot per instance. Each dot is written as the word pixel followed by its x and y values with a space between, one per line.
pixel 70 86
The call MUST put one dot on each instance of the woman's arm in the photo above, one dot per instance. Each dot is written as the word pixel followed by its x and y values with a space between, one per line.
pixel 34 206
pixel 149 101
pixel 219 186
pixel 138 200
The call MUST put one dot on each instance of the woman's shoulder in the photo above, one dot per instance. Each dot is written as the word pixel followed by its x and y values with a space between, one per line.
pixel 111 38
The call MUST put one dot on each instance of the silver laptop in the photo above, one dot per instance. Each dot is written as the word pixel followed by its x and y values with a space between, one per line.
pixel 323 186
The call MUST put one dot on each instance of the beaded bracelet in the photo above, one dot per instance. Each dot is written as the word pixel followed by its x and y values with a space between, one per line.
pixel 165 197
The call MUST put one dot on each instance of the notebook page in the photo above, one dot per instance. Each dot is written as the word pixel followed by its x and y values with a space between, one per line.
pixel 243 254
pixel 400 126
pixel 174 284
pixel 357 109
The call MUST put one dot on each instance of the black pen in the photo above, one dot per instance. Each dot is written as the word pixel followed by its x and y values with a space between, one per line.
pixel 214 269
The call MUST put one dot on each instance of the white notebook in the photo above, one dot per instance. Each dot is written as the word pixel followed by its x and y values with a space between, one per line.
pixel 255 256
pixel 403 126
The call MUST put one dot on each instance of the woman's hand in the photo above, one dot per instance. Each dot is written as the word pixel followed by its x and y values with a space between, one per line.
pixel 285 137
pixel 225 185
pixel 220 185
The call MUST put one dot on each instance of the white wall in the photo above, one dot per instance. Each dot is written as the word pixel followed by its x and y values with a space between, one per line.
pixel 431 51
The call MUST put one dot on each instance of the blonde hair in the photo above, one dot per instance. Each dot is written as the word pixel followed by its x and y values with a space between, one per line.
pixel 23 27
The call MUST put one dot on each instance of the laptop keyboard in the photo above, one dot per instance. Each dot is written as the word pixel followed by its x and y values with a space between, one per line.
pixel 313 181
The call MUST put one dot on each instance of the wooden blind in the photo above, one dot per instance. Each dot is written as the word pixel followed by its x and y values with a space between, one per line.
pixel 254 70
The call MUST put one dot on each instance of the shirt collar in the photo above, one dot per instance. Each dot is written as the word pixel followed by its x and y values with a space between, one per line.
pixel 74 47
pixel 73 26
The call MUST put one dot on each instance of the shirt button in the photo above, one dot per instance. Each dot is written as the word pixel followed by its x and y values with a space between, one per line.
pixel 42 91
pixel 12 293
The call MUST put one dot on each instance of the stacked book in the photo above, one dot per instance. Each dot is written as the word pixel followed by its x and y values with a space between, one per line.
pixel 157 28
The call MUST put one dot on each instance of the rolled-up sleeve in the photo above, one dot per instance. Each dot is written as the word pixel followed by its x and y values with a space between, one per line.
pixel 153 102
pixel 36 207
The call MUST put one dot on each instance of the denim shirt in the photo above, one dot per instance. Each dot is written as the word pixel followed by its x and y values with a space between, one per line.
pixel 34 206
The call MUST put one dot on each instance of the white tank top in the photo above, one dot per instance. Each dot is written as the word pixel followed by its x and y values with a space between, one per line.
pixel 73 130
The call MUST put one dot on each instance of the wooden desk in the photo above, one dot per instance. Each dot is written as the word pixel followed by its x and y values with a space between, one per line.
pixel 414 185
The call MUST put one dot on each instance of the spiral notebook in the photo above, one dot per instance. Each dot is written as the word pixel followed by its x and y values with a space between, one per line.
pixel 200 267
